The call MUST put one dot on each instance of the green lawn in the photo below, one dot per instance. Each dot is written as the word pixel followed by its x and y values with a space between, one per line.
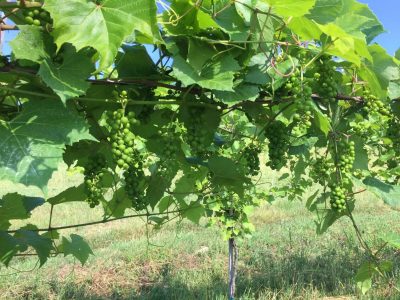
pixel 285 259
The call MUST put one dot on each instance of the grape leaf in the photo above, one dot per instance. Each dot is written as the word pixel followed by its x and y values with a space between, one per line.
pixel 32 143
pixel 77 247
pixel 105 26
pixel 393 239
pixel 32 43
pixel 194 212
pixel 186 18
pixel 14 206
pixel 72 194
pixel 364 276
pixel 69 79
pixel 136 63
pixel 28 238
pixel 8 247
pixel 390 194
pixel 226 172
pixel 291 8
pixel 217 76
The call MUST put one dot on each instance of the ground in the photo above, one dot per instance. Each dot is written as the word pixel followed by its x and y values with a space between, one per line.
pixel 285 259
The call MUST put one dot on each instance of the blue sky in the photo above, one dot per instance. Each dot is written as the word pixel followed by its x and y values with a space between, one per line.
pixel 388 12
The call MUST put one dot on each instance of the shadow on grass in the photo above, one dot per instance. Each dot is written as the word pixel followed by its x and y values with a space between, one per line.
pixel 331 274
pixel 293 274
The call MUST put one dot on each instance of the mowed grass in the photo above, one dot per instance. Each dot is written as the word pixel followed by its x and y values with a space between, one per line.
pixel 285 259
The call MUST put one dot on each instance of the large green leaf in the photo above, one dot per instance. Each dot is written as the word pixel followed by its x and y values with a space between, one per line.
pixel 218 75
pixel 392 238
pixel 226 172
pixel 26 238
pixel 305 28
pixel 32 144
pixel 390 194
pixel 135 63
pixel 14 206
pixel 185 17
pixel 291 8
pixel 32 43
pixel 8 247
pixel 68 79
pixel 104 27
pixel 326 11
pixel 77 247
pixel 364 276
pixel 383 65
pixel 72 194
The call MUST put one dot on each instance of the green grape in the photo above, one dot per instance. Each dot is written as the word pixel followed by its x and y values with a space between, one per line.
pixel 325 82
pixel 134 182
pixel 250 154
pixel 195 131
pixel 338 198
pixel 346 159
pixel 301 91
pixel 121 138
pixel 276 133
pixel 393 133
pixel 374 106
pixel 321 169
pixel 93 175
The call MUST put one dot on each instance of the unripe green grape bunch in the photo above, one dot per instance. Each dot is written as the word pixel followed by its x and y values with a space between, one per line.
pixel 324 79
pixel 346 160
pixel 196 131
pixel 171 142
pixel 276 133
pixel 250 154
pixel 321 169
pixel 300 90
pixel 374 105
pixel 338 198
pixel 93 176
pixel 135 182
pixel 121 138
pixel 125 155
pixel 393 133
pixel 37 17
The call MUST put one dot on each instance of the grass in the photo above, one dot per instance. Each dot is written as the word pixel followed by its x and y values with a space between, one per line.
pixel 284 259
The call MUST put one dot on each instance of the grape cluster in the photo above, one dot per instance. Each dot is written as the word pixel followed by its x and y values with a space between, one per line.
pixel 303 116
pixel 361 127
pixel 393 132
pixel 346 160
pixel 325 83
pixel 377 116
pixel 293 85
pixel 122 139
pixel 374 105
pixel 37 17
pixel 276 133
pixel 300 90
pixel 338 198
pixel 196 132
pixel 135 182
pixel 321 169
pixel 171 144
pixel 250 154
pixel 93 175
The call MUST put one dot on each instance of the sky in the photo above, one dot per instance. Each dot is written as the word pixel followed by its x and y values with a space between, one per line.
pixel 387 12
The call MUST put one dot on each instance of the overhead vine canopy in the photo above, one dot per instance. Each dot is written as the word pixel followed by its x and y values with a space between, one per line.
pixel 167 107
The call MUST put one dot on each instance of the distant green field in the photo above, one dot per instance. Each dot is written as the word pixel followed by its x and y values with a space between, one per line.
pixel 285 259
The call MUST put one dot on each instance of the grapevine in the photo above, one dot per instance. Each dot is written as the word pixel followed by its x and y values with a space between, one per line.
pixel 171 110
